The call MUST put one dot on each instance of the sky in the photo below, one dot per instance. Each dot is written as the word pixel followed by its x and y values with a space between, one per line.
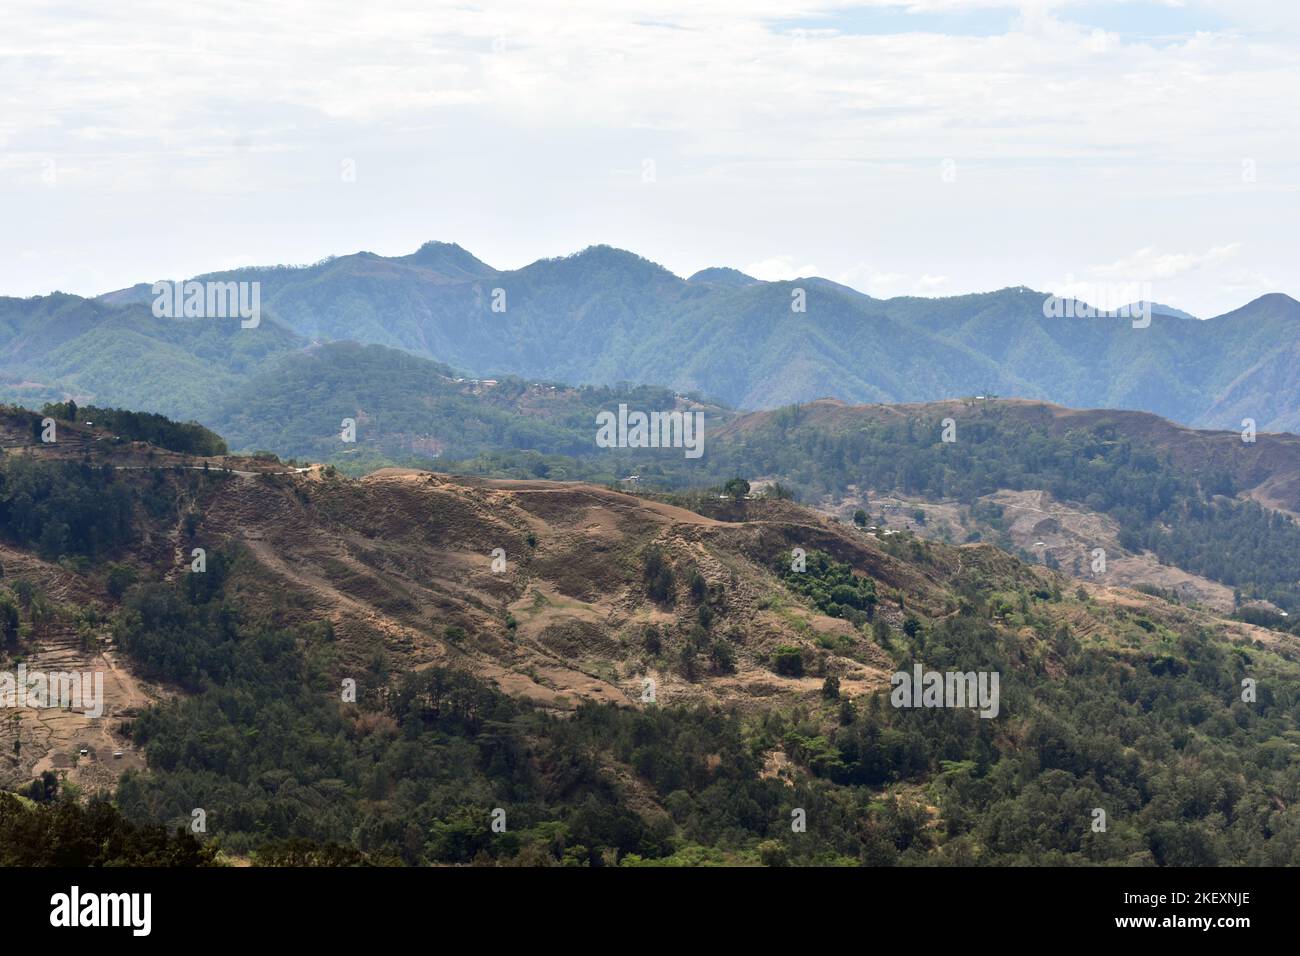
pixel 932 147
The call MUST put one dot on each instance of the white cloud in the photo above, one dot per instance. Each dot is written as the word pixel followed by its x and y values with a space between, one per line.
pixel 1252 282
pixel 884 285
pixel 780 269
pixel 183 132
pixel 1149 264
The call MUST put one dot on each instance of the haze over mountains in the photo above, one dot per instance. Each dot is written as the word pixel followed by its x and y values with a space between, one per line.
pixel 604 316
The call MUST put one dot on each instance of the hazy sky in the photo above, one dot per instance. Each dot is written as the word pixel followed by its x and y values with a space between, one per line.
pixel 931 147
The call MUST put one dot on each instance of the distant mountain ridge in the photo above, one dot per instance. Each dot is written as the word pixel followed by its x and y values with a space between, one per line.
pixel 604 316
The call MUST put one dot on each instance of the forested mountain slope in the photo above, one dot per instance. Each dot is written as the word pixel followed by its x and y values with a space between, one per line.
pixel 604 316
pixel 633 683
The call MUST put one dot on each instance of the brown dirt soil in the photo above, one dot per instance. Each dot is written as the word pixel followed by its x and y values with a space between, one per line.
pixel 395 559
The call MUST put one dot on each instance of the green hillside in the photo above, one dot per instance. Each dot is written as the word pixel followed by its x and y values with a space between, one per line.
pixel 1132 709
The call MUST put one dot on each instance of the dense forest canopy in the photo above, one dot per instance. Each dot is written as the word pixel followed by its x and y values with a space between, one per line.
pixel 189 438
pixel 411 773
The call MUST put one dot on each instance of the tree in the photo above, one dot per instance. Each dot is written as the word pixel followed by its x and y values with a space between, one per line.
pixel 686 661
pixel 120 578
pixel 651 640
pixel 8 620
pixel 721 658
pixel 737 488
pixel 773 853
pixel 789 661
pixel 659 579
pixel 860 518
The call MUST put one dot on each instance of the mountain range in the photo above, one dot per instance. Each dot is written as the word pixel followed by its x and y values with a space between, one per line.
pixel 605 316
